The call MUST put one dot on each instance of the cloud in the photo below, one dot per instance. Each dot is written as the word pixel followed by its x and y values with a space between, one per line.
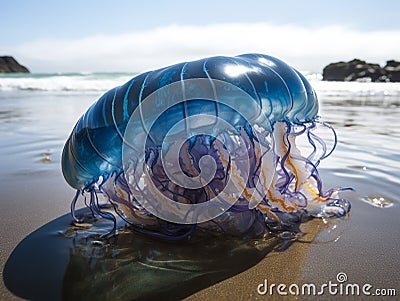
pixel 305 48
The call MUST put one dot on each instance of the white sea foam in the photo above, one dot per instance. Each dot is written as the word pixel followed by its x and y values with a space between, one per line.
pixel 76 82
pixel 357 93
pixel 356 88
pixel 99 82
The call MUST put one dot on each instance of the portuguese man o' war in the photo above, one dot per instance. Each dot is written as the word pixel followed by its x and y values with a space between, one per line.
pixel 208 144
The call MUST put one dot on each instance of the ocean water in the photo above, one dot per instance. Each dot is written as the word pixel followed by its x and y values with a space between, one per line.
pixel 38 111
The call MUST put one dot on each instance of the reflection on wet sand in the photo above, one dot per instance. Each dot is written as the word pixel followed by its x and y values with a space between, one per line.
pixel 64 261
pixel 9 116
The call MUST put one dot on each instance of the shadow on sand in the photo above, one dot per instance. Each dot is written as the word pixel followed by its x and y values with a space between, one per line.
pixel 60 261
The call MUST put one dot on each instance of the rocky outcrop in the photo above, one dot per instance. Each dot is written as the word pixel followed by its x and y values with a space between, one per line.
pixel 9 65
pixel 393 70
pixel 358 70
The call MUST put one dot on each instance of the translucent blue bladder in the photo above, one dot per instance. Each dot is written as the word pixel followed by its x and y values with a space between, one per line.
pixel 207 145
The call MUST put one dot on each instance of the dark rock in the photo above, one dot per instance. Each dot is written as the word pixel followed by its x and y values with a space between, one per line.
pixel 392 68
pixel 9 65
pixel 355 70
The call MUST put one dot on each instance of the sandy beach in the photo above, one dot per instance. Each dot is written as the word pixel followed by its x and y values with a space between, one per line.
pixel 238 151
pixel 276 267
pixel 34 197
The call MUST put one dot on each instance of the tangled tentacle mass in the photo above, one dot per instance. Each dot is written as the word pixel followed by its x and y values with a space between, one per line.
pixel 212 144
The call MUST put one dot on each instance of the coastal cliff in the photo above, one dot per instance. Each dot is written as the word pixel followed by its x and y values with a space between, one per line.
pixel 9 65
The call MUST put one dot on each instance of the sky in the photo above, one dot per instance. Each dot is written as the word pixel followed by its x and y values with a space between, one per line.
pixel 135 36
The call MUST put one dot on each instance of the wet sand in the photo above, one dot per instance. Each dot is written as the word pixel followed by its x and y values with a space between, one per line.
pixel 365 245
pixel 277 267
pixel 245 269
